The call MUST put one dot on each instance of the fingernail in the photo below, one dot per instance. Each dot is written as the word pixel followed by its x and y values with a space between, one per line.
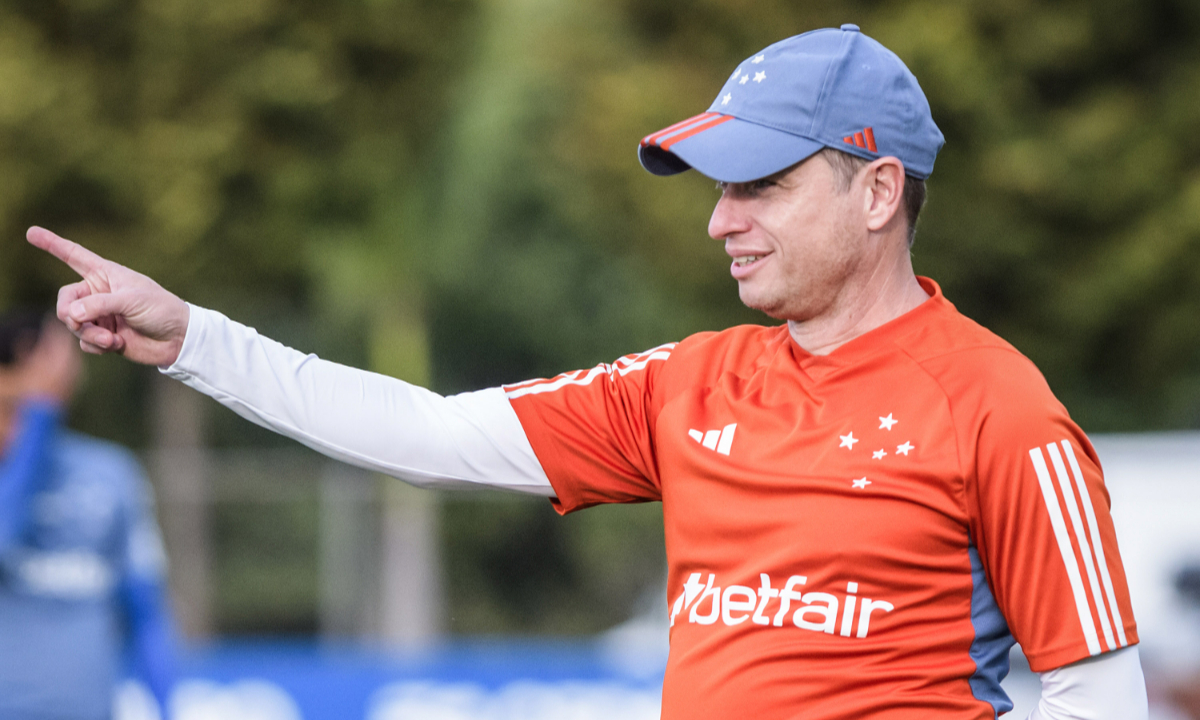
pixel 78 312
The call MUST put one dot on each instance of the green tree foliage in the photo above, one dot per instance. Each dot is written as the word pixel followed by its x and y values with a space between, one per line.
pixel 270 159
pixel 471 165
pixel 1064 211
pixel 220 145
pixel 448 191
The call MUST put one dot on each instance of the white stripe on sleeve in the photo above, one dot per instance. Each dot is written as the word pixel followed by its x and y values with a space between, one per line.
pixel 1085 549
pixel 1064 547
pixel 579 377
pixel 623 366
pixel 1089 510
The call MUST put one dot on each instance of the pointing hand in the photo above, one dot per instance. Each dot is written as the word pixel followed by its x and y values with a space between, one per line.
pixel 114 309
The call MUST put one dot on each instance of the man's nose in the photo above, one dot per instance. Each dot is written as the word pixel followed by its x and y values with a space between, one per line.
pixel 728 217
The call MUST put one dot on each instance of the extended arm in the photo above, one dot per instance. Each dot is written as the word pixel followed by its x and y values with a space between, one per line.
pixel 363 418
pixel 1106 687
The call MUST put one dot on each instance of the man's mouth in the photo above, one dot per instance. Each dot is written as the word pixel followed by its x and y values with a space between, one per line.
pixel 745 265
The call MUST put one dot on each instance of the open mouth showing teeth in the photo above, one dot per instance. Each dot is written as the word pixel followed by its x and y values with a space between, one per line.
pixel 745 260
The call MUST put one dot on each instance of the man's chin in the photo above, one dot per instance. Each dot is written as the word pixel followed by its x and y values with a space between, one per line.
pixel 772 307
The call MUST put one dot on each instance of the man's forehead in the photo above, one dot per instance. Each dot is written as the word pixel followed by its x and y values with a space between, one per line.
pixel 793 173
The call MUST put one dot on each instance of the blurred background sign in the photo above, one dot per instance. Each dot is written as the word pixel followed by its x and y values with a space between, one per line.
pixel 491 680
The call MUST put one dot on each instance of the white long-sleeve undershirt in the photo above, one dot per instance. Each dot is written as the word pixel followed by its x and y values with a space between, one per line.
pixel 475 439
pixel 362 418
pixel 1106 687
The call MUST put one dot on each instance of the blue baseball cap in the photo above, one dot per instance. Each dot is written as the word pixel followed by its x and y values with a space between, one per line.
pixel 826 88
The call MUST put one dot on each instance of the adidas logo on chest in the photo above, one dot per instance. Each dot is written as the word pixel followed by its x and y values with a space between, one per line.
pixel 719 440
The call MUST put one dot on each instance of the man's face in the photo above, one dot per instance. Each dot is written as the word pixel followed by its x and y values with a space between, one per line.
pixel 796 238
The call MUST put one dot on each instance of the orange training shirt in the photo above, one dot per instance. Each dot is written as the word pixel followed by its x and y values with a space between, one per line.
pixel 856 535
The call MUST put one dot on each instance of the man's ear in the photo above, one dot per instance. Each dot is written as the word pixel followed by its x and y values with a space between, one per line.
pixel 884 179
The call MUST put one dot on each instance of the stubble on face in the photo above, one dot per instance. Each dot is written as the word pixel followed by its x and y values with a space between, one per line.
pixel 809 222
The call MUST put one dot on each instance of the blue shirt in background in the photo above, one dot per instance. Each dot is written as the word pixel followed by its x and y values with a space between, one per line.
pixel 82 574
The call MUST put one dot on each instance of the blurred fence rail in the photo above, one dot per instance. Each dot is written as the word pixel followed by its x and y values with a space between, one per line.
pixel 264 541
pixel 283 541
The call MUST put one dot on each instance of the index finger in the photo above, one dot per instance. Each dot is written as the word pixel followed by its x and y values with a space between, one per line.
pixel 79 258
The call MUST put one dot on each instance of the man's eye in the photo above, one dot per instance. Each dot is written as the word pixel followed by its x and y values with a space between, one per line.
pixel 753 187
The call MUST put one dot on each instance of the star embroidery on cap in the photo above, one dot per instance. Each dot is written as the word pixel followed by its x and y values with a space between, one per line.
pixel 760 76
pixel 848 441
pixel 886 423
pixel 879 454
pixel 744 79
pixel 759 59
pixel 860 484
pixel 903 449
pixel 725 100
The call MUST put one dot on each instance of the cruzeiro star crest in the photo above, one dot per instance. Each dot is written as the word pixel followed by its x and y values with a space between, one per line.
pixel 881 446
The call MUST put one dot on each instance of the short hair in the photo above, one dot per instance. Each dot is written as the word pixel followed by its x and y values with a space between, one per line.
pixel 20 330
pixel 846 166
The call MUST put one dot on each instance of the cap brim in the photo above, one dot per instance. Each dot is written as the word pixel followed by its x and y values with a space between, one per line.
pixel 733 151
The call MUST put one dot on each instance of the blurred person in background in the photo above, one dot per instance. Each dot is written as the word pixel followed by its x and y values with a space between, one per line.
pixel 862 506
pixel 82 568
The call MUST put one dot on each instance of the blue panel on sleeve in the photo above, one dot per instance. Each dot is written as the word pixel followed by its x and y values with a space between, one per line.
pixel 992 641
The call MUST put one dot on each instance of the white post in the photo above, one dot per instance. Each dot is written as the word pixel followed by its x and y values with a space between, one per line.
pixel 411 599
pixel 349 553
pixel 180 467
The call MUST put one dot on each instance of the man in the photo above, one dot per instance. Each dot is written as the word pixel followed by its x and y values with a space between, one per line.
pixel 862 507
pixel 81 564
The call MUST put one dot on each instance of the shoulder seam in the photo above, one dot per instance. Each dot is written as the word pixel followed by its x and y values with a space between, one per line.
pixel 958 452
pixel 1001 348
pixel 921 363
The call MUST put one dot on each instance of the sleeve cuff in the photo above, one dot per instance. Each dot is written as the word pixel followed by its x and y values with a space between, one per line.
pixel 197 327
